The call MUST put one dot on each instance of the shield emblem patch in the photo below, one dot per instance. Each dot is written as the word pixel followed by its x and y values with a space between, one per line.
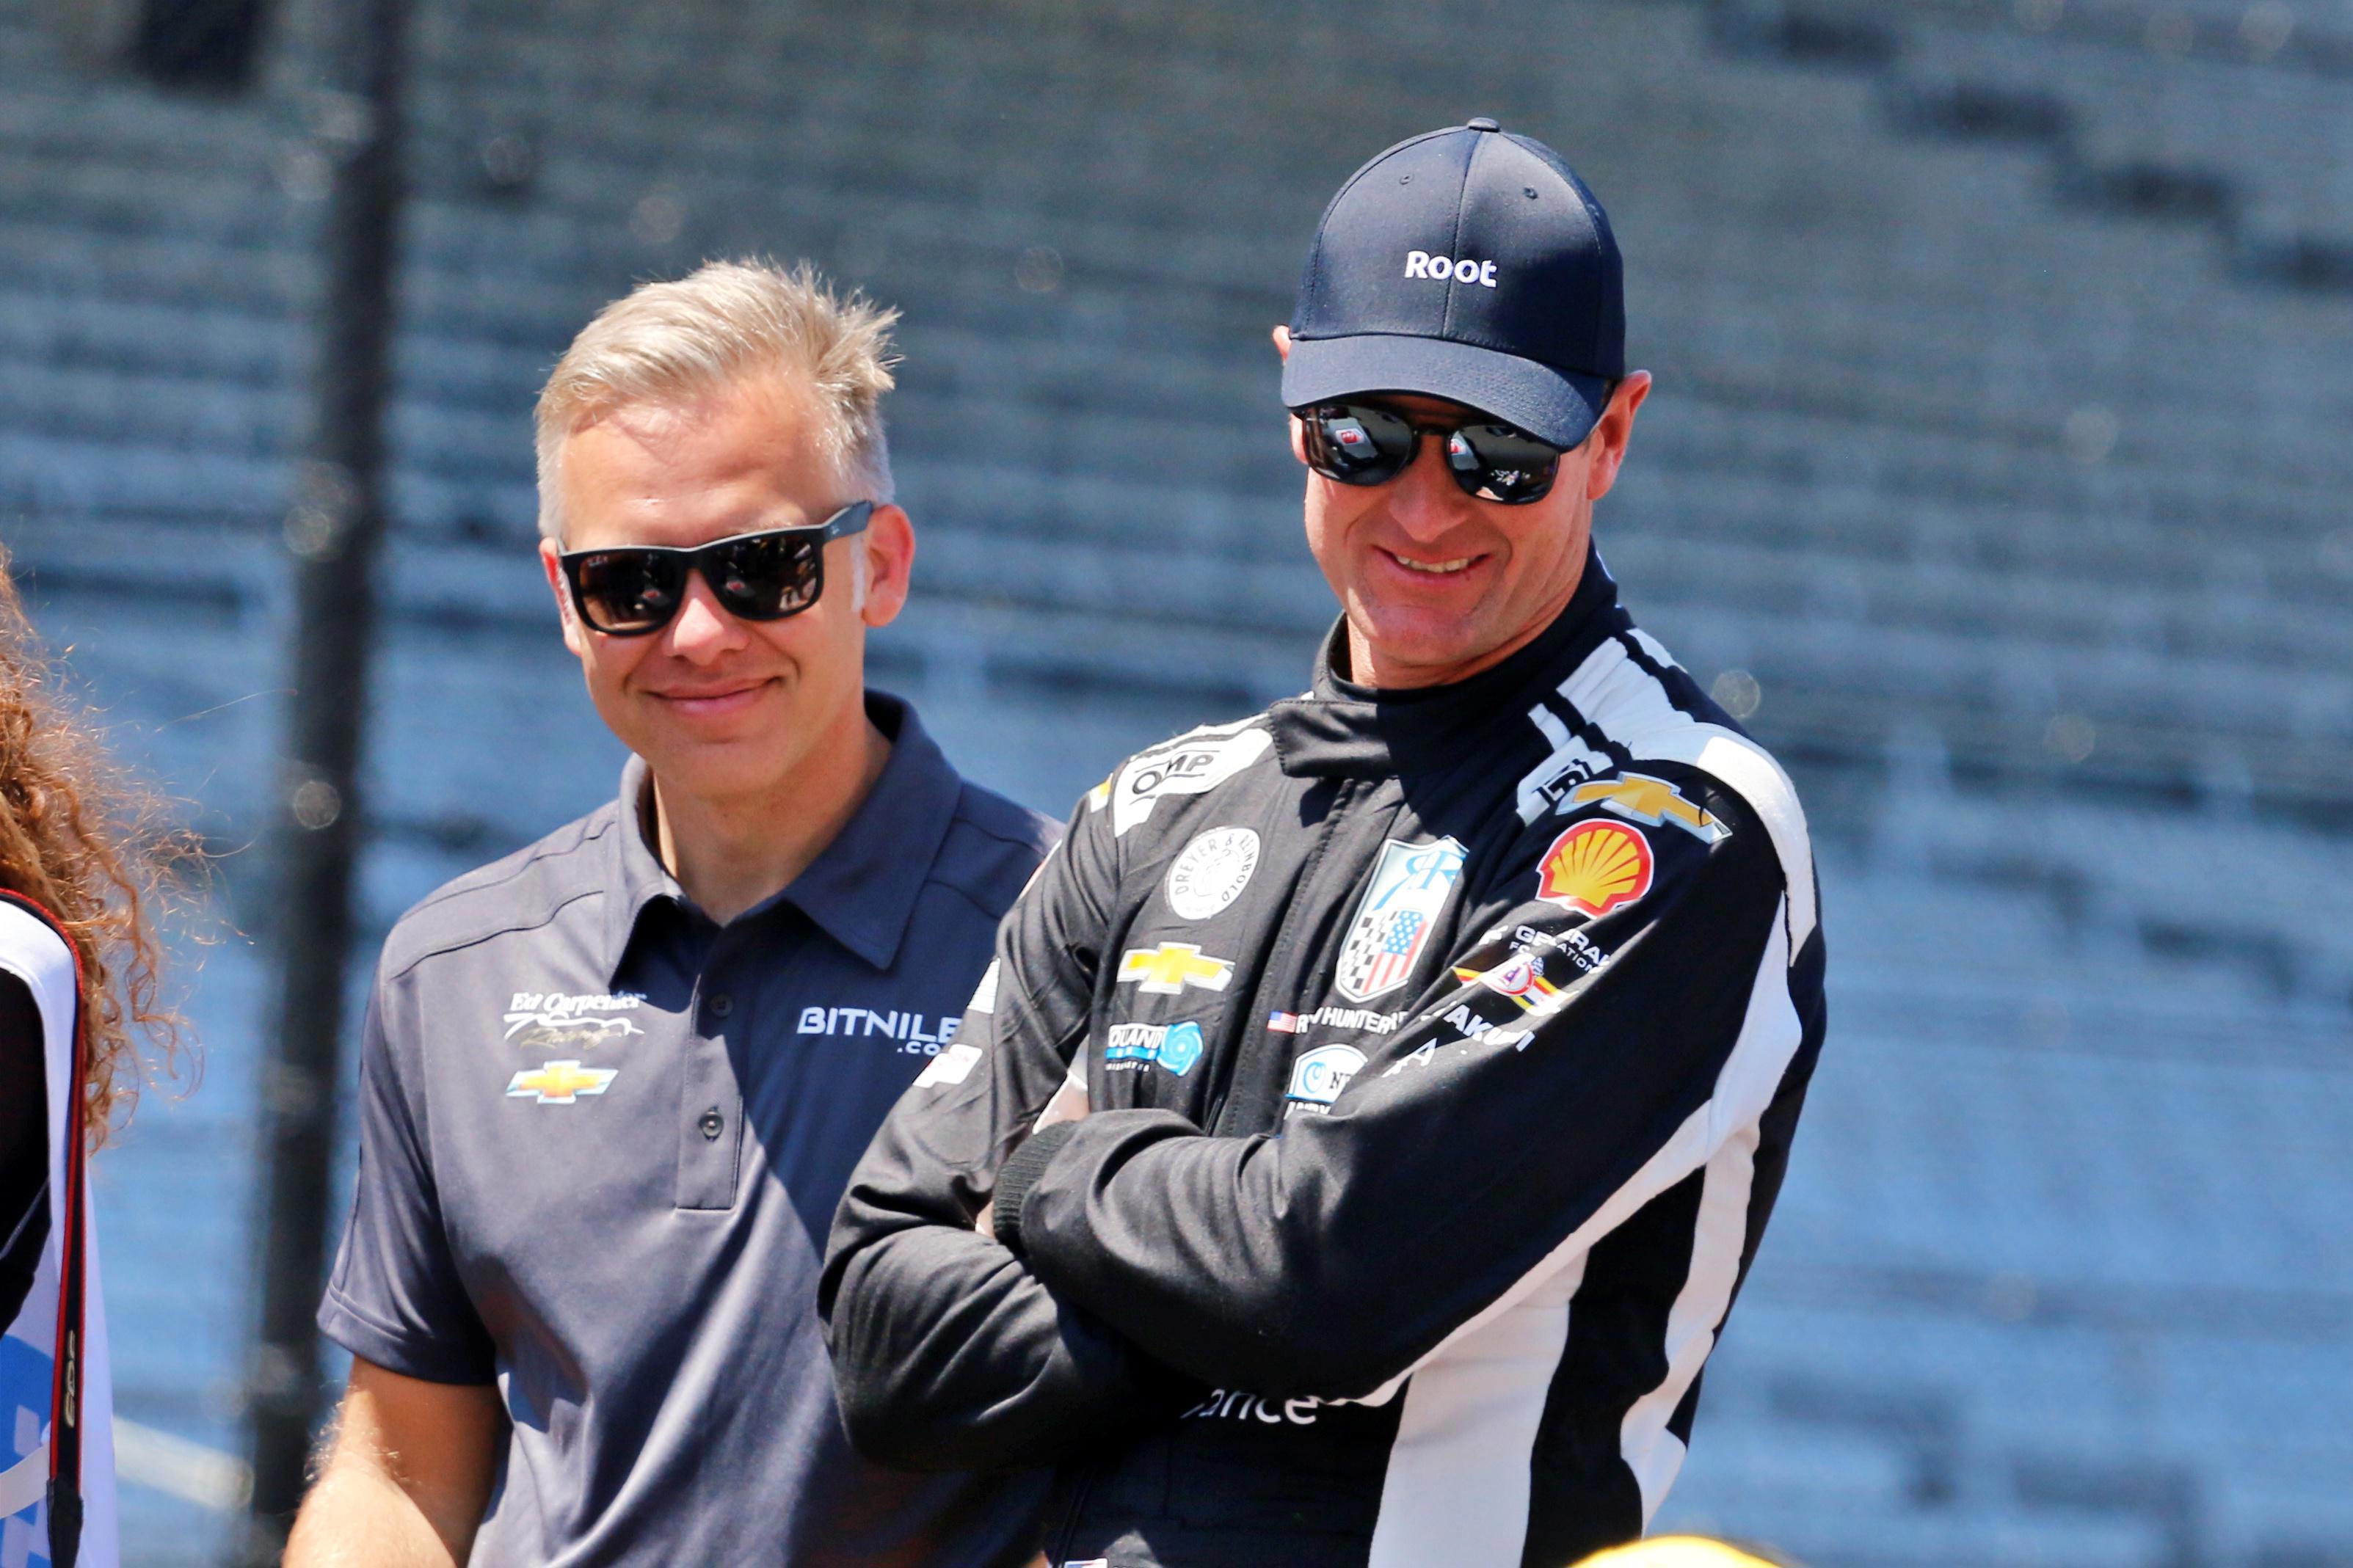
pixel 1394 920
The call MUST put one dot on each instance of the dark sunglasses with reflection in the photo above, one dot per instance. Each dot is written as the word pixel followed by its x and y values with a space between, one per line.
pixel 1364 443
pixel 632 590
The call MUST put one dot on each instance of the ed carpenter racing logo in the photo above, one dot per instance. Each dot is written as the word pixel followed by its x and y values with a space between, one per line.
pixel 541 1019
pixel 1394 920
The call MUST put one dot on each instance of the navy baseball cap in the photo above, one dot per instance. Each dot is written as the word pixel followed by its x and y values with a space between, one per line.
pixel 1469 264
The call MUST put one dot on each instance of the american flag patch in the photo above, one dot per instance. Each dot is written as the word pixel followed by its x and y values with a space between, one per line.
pixel 1286 1023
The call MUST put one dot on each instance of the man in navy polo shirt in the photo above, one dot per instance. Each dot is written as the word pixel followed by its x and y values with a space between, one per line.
pixel 613 1085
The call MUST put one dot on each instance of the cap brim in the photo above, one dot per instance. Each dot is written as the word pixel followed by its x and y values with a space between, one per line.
pixel 1556 405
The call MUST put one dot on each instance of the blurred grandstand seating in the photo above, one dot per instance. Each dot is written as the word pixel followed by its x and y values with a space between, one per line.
pixel 1999 460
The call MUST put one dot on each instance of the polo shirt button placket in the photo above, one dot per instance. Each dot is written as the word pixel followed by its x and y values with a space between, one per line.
pixel 708 1162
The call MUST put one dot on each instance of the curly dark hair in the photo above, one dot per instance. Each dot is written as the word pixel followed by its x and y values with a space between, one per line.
pixel 85 839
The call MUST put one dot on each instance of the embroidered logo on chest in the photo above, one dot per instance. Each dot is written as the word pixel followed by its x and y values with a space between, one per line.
pixel 554 1020
pixel 1393 921
pixel 1211 871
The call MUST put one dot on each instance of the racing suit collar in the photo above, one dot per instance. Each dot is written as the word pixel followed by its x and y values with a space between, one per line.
pixel 1344 730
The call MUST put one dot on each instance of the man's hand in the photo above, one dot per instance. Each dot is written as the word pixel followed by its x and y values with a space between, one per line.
pixel 407 1475
pixel 1069 1104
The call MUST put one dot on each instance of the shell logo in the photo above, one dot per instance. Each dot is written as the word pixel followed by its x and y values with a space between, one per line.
pixel 1595 868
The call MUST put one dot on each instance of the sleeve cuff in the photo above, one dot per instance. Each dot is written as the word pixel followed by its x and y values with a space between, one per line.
pixel 431 1361
pixel 1019 1175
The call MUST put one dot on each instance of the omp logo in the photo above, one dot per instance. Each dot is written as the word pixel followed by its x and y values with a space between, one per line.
pixel 1448 269
pixel 1166 970
pixel 1194 764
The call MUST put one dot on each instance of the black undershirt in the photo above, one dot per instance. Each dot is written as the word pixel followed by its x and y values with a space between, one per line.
pixel 24 1144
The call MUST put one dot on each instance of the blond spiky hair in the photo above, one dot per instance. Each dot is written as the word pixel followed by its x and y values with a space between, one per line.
pixel 664 344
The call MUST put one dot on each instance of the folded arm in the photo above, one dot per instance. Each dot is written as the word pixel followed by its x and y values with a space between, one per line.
pixel 948 1354
pixel 1569 1071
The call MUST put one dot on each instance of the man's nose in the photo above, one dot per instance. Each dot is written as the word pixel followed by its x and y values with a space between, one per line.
pixel 1425 499
pixel 702 629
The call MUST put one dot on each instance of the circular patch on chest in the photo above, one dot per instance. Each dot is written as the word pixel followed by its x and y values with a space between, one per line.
pixel 1210 872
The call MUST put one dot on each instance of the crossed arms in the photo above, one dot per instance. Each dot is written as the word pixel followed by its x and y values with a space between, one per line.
pixel 1482 1145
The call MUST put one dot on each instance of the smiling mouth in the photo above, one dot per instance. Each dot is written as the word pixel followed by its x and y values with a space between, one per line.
pixel 1432 568
pixel 721 694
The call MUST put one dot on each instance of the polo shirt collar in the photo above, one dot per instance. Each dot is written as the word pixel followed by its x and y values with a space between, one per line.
pixel 861 889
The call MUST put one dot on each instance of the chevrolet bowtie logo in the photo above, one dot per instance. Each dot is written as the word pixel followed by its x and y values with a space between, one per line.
pixel 1166 970
pixel 1646 799
pixel 560 1083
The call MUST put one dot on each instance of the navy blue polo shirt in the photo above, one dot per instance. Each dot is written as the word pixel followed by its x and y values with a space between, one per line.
pixel 601 1141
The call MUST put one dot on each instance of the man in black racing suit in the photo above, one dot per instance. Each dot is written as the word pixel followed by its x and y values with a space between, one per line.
pixel 1374 1104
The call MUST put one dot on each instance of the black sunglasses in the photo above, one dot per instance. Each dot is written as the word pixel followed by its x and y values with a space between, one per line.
pixel 1365 444
pixel 635 589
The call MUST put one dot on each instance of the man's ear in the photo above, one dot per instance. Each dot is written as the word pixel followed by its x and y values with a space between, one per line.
pixel 574 637
pixel 889 545
pixel 1281 336
pixel 1613 431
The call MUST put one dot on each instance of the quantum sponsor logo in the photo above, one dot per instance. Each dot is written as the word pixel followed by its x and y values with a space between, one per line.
pixel 1596 866
pixel 1318 1076
pixel 1645 799
pixel 1131 1047
pixel 916 1034
pixel 1169 968
pixel 1393 921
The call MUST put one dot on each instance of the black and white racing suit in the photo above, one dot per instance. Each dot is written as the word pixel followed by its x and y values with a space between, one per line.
pixel 1443 1050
